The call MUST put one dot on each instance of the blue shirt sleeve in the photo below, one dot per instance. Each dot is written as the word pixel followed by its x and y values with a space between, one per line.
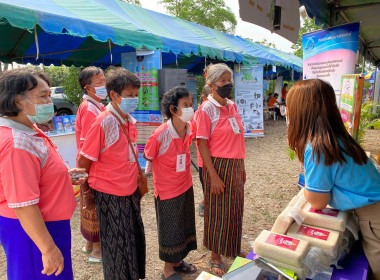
pixel 319 177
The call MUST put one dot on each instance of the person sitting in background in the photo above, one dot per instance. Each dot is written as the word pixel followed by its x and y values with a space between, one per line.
pixel 274 105
pixel 270 96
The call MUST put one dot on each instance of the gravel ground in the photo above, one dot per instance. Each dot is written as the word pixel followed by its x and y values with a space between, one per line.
pixel 271 183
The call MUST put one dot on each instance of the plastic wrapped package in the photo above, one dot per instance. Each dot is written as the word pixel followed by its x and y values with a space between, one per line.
pixel 325 239
pixel 283 222
pixel 296 210
pixel 328 218
pixel 281 248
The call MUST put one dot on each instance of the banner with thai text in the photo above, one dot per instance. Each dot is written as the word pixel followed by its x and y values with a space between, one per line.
pixel 249 98
pixel 351 101
pixel 148 113
pixel 329 54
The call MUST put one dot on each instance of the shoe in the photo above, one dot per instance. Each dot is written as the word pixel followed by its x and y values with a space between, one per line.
pixel 220 266
pixel 86 251
pixel 185 268
pixel 92 259
pixel 174 276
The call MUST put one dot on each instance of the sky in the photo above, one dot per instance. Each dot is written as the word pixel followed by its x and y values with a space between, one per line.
pixel 243 29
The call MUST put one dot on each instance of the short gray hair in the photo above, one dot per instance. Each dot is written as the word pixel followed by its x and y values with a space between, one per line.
pixel 215 71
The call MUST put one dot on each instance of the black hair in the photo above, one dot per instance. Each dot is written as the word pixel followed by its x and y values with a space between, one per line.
pixel 17 82
pixel 120 78
pixel 285 84
pixel 275 95
pixel 171 97
pixel 85 76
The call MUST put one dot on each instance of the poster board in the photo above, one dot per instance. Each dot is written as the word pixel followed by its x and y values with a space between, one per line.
pixel 249 98
pixel 351 101
pixel 148 113
pixel 330 53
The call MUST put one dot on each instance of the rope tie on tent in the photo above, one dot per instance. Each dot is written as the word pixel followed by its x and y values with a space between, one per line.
pixel 109 44
pixel 36 39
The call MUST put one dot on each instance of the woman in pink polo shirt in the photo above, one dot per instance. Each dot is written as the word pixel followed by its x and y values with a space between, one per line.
pixel 93 84
pixel 112 180
pixel 168 150
pixel 221 144
pixel 36 193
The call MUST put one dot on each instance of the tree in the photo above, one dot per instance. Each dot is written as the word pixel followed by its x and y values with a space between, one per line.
pixel 58 74
pixel 214 14
pixel 308 26
pixel 266 43
pixel 134 2
pixel 73 92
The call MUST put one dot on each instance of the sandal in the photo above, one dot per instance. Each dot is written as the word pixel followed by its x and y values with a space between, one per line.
pixel 201 210
pixel 84 250
pixel 220 266
pixel 174 276
pixel 185 268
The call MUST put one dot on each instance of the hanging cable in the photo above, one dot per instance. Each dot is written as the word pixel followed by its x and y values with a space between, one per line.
pixel 109 44
pixel 36 39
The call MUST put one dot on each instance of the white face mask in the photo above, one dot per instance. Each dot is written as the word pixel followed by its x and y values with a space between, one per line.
pixel 187 114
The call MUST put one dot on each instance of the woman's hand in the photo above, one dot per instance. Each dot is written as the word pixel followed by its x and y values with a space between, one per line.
pixel 88 201
pixel 78 176
pixel 52 261
pixel 217 185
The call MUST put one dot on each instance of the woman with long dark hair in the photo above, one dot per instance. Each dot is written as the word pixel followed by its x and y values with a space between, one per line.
pixel 337 170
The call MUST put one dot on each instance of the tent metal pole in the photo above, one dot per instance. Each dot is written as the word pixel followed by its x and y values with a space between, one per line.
pixel 11 54
pixel 75 50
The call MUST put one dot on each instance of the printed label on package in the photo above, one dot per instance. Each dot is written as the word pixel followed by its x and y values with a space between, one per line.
pixel 282 241
pixel 313 232
pixel 326 211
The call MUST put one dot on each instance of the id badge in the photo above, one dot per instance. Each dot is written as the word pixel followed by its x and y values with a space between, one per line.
pixel 234 125
pixel 131 156
pixel 181 163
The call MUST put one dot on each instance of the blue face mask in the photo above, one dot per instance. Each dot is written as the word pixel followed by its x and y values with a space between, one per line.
pixel 44 112
pixel 101 92
pixel 128 104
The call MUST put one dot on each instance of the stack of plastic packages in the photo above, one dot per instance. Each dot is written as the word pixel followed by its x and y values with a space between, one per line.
pixel 308 241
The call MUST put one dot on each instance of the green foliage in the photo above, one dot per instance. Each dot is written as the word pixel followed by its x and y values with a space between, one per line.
pixel 291 154
pixel 134 2
pixel 369 117
pixel 266 43
pixel 214 14
pixel 201 81
pixel 73 92
pixel 308 26
pixel 58 74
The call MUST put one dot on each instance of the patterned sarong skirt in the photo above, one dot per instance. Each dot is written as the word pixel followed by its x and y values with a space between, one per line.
pixel 176 226
pixel 223 216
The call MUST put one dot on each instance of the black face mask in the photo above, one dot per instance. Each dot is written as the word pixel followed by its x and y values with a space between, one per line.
pixel 225 91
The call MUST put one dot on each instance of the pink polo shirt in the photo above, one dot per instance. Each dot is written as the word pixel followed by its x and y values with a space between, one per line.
pixel 106 145
pixel 194 132
pixel 213 125
pixel 32 172
pixel 88 110
pixel 163 148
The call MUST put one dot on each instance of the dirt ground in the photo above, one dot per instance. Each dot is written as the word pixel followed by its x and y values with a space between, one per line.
pixel 271 183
